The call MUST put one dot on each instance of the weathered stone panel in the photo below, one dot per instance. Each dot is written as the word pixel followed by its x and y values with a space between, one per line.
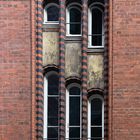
pixel 50 48
pixel 73 59
pixel 95 71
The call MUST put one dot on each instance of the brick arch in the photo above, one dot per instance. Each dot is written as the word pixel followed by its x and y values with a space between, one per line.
pixel 45 2
pixel 49 68
pixel 73 79
pixel 73 1
pixel 95 91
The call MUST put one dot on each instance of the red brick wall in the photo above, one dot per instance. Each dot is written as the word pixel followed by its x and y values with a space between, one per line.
pixel 126 70
pixel 15 70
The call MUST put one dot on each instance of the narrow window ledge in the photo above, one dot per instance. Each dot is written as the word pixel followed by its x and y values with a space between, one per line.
pixel 50 27
pixel 95 50
pixel 73 38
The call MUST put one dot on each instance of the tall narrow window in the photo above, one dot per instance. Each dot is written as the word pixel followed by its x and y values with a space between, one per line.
pixel 51 13
pixel 73 20
pixel 96 118
pixel 96 27
pixel 73 111
pixel 51 107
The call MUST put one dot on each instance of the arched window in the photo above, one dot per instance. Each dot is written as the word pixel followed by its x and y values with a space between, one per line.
pixel 51 106
pixel 96 26
pixel 51 13
pixel 96 118
pixel 73 111
pixel 73 19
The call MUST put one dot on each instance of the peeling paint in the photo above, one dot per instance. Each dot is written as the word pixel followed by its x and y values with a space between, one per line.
pixel 73 59
pixel 50 48
pixel 95 71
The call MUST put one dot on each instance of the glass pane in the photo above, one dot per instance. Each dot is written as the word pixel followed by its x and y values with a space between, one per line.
pixel 74 91
pixel 97 40
pixel 75 21
pixel 53 133
pixel 53 13
pixel 74 132
pixel 74 111
pixel 75 29
pixel 96 21
pixel 96 27
pixel 53 85
pixel 96 133
pixel 96 112
pixel 53 111
pixel 75 15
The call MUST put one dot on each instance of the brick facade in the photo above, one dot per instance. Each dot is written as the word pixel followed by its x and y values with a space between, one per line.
pixel 17 70
pixel 124 70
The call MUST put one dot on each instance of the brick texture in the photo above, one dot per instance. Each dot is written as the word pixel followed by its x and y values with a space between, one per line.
pixel 16 73
pixel 15 70
pixel 126 70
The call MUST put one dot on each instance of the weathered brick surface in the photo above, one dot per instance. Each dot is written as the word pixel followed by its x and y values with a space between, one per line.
pixel 126 70
pixel 15 70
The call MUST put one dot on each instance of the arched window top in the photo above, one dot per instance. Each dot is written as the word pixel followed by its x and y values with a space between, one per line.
pixel 53 81
pixel 96 97
pixel 69 2
pixel 75 14
pixel 74 5
pixel 51 13
pixel 96 25
pixel 73 19
pixel 74 85
pixel 96 117
pixel 97 5
pixel 95 93
pixel 51 74
pixel 101 2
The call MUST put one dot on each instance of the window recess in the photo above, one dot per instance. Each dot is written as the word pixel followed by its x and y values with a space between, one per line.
pixel 73 20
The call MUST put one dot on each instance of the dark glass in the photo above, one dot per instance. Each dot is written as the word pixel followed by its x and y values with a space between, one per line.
pixel 75 15
pixel 52 132
pixel 96 133
pixel 75 28
pixel 74 133
pixel 74 91
pixel 53 111
pixel 53 84
pixel 74 111
pixel 53 13
pixel 75 21
pixel 96 112
pixel 97 40
pixel 96 27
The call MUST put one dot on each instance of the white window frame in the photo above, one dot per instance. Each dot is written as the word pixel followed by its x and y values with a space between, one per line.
pixel 45 113
pixel 67 108
pixel 90 27
pixel 96 96
pixel 72 5
pixel 46 15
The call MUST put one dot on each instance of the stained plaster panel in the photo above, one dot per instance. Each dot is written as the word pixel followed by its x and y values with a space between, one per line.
pixel 50 48
pixel 73 59
pixel 95 71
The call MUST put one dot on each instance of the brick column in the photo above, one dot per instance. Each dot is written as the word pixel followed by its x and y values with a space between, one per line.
pixel 106 64
pixel 39 71
pixel 62 89
pixel 84 67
